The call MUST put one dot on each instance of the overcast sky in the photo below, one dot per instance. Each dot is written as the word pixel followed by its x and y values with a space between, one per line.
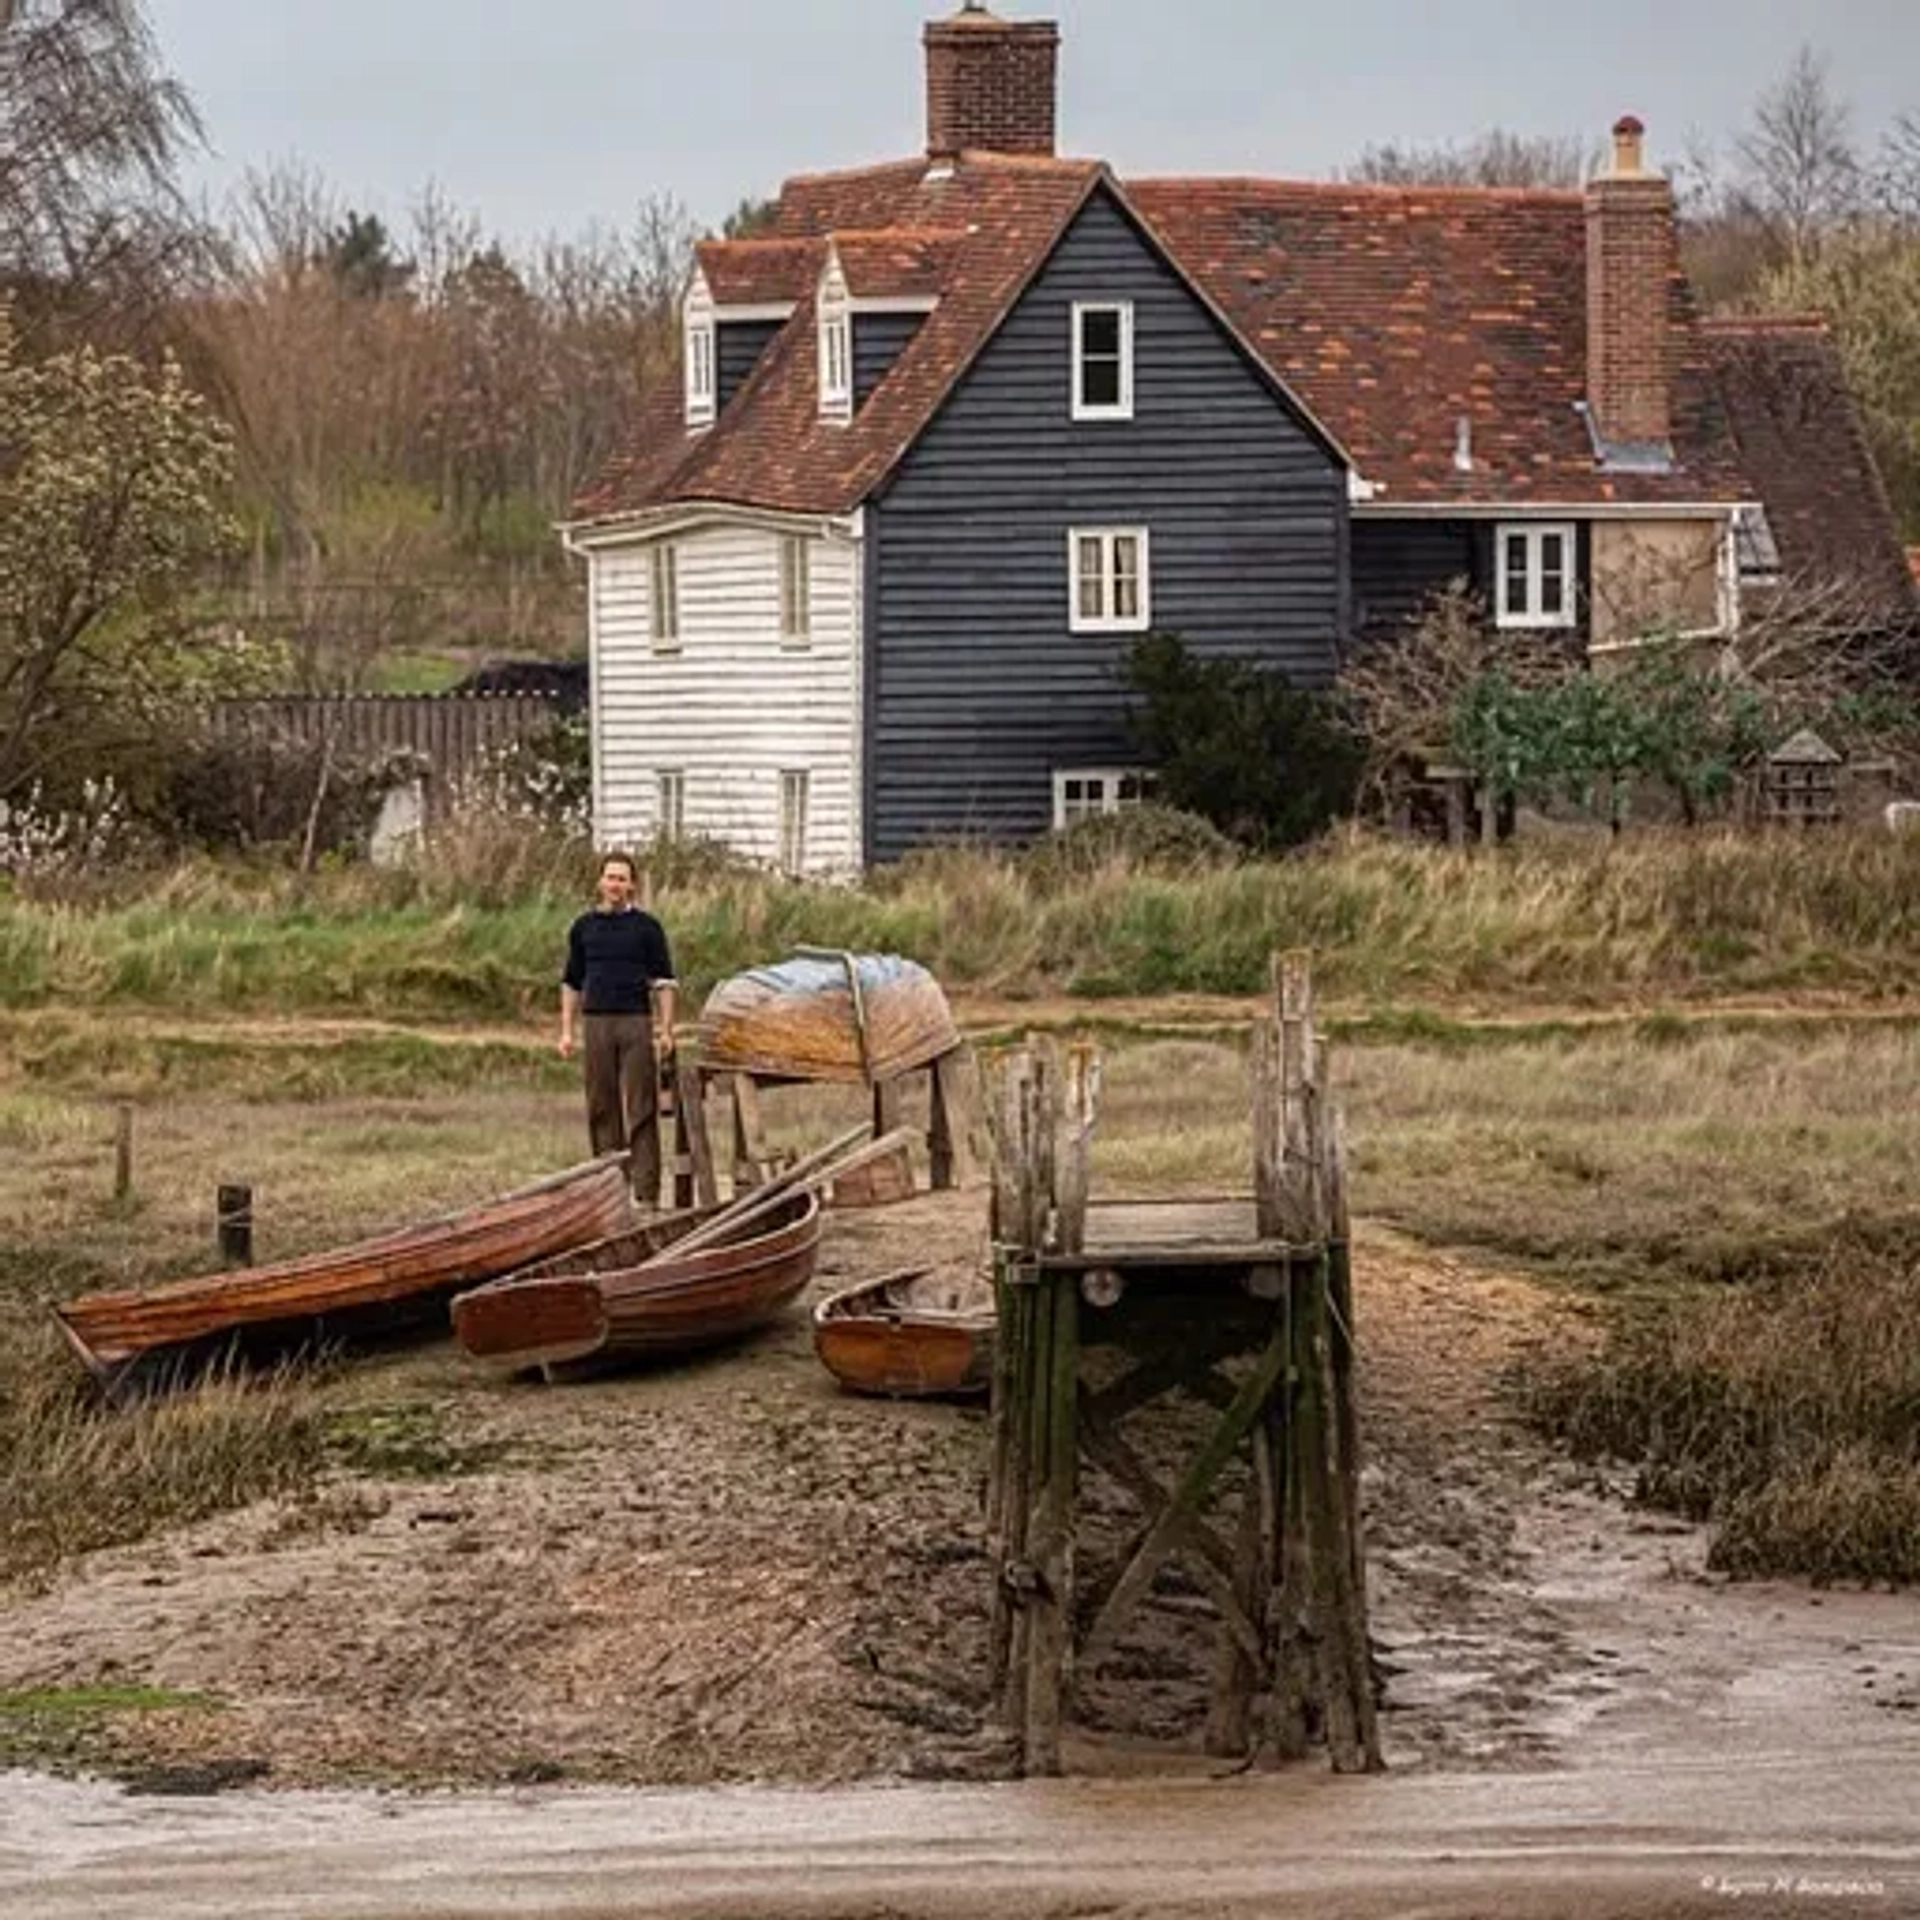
pixel 551 117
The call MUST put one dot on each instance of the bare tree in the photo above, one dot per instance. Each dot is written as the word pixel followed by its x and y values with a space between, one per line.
pixel 1496 158
pixel 91 130
pixel 1801 169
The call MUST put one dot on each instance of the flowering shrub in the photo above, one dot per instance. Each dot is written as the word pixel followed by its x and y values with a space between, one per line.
pixel 38 843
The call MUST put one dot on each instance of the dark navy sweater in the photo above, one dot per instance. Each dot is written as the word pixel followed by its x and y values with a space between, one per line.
pixel 613 958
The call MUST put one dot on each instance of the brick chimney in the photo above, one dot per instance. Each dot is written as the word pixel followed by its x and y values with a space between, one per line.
pixel 991 84
pixel 1632 257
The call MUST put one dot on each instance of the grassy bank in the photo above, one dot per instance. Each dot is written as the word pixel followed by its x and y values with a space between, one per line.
pixel 1686 916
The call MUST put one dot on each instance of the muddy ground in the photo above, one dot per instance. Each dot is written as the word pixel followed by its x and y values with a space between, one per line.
pixel 729 1571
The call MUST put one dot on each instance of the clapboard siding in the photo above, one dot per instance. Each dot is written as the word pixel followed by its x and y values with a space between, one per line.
pixel 980 689
pixel 734 708
pixel 1399 565
pixel 737 351
pixel 879 339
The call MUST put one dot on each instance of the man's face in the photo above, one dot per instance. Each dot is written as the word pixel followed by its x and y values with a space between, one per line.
pixel 616 886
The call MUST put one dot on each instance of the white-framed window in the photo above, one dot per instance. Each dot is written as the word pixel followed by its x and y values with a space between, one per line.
pixel 1109 583
pixel 700 381
pixel 1103 360
pixel 836 364
pixel 793 821
pixel 666 597
pixel 1081 792
pixel 796 590
pixel 670 822
pixel 1534 575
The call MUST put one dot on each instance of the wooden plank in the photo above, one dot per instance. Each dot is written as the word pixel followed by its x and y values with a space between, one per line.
pixel 1080 1114
pixel 1050 1654
pixel 1300 1215
pixel 750 1157
pixel 1268 1124
pixel 1006 1488
pixel 1190 1492
pixel 1294 1679
pixel 693 1116
pixel 950 1120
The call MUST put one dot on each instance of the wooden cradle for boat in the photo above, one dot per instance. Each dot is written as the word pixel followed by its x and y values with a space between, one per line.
pixel 379 1285
pixel 838 1017
pixel 604 1304
pixel 909 1334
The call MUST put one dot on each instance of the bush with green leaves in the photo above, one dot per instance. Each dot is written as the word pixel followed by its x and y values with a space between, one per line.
pixel 1145 839
pixel 1269 764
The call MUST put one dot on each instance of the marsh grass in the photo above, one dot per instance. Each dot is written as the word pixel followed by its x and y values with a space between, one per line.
pixel 1389 923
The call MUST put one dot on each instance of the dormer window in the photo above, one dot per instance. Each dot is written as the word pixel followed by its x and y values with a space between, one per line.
pixel 1103 360
pixel 836 340
pixel 836 366
pixel 699 354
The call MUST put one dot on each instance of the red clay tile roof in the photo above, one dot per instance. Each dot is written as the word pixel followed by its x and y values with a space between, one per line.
pixel 751 273
pixel 1802 443
pixel 1391 313
pixel 770 448
pixel 896 263
pixel 1396 312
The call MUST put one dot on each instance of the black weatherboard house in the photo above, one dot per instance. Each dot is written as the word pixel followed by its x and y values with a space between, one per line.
pixel 954 429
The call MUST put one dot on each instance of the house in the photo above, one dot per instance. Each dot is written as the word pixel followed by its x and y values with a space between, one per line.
pixel 956 428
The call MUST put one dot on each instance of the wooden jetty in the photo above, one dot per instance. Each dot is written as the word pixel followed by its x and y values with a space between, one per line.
pixel 1242 1304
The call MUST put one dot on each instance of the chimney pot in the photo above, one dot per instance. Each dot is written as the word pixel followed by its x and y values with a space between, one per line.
pixel 1629 146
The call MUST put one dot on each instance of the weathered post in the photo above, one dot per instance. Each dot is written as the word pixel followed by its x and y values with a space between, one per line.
pixel 233 1221
pixel 123 1151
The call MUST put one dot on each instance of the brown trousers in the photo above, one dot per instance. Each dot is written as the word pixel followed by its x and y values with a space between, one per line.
pixel 623 1095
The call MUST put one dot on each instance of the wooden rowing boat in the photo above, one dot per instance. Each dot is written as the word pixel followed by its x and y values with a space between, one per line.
pixel 393 1281
pixel 860 1017
pixel 909 1334
pixel 630 1297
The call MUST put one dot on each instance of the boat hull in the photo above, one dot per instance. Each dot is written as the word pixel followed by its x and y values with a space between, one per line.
pixel 601 1306
pixel 390 1282
pixel 802 1020
pixel 899 1337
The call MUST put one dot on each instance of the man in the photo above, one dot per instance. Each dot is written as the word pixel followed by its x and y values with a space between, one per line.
pixel 617 964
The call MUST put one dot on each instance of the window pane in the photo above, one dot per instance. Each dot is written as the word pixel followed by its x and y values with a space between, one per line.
pixel 1100 333
pixel 1100 383
pixel 1092 597
pixel 1519 600
pixel 1126 577
pixel 1553 573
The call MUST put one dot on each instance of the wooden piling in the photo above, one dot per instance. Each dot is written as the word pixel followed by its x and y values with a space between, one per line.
pixel 123 1151
pixel 233 1224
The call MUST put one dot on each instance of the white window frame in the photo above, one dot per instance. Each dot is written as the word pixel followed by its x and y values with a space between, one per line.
pixel 663 596
pixel 1083 409
pixel 796 590
pixel 1536 533
pixel 1112 782
pixel 1106 621
pixel 795 797
pixel 700 354
pixel 836 365
pixel 670 819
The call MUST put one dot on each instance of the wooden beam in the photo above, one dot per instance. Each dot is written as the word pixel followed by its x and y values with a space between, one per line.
pixel 1190 1492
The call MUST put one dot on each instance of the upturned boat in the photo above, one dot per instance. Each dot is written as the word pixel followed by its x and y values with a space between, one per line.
pixel 629 1297
pixel 827 1016
pixel 373 1286
pixel 909 1334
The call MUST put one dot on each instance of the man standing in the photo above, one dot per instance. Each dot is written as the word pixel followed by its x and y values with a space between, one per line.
pixel 617 962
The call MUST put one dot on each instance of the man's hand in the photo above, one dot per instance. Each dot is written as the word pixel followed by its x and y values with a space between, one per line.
pixel 566 1046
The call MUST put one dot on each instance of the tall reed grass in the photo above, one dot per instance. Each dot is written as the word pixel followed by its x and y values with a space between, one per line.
pixel 471 938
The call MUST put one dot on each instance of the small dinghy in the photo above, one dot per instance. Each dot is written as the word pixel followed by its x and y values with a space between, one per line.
pixel 371 1287
pixel 630 1297
pixel 852 1017
pixel 909 1334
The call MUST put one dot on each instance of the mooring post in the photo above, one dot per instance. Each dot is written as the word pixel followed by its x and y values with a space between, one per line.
pixel 123 1151
pixel 233 1220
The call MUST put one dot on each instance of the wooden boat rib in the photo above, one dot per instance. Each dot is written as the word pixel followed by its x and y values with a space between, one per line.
pixel 112 1331
pixel 834 1017
pixel 909 1334
pixel 602 1304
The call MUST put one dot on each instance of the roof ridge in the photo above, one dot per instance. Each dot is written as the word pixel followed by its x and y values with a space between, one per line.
pixel 1245 182
pixel 766 240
